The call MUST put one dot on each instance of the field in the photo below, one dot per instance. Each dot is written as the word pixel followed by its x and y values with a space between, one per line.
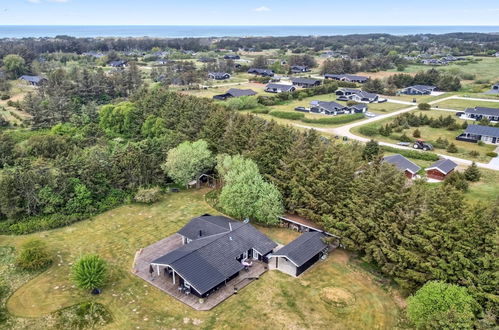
pixel 431 134
pixel 458 104
pixel 487 189
pixel 335 294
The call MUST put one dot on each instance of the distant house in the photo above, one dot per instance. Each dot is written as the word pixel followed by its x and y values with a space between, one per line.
pixel 440 169
pixel 118 64
pixel 347 77
pixel 418 90
pixel 496 54
pixel 479 113
pixel 349 94
pixel 93 54
pixel 33 80
pixel 403 164
pixel 279 88
pixel 334 108
pixel 261 72
pixel 232 57
pixel 433 62
pixel 219 75
pixel 215 250
pixel 475 133
pixel 206 60
pixel 234 92
pixel 305 82
pixel 299 68
pixel 494 89
pixel 299 255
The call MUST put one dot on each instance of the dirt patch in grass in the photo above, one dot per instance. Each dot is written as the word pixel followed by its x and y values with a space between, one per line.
pixel 337 297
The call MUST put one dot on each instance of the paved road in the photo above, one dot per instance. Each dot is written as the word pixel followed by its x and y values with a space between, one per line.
pixel 345 131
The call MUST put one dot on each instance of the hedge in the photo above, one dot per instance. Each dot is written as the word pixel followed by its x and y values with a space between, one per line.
pixel 287 115
pixel 430 156
pixel 334 120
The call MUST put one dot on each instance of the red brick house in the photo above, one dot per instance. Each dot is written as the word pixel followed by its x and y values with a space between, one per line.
pixel 440 169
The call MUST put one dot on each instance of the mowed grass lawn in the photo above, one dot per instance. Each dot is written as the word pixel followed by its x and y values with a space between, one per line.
pixel 432 134
pixel 459 104
pixel 276 301
pixel 487 189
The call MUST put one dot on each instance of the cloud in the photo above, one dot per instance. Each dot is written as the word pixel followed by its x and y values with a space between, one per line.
pixel 262 8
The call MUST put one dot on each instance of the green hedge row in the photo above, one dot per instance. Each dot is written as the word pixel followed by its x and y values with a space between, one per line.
pixel 342 119
pixel 287 115
pixel 423 155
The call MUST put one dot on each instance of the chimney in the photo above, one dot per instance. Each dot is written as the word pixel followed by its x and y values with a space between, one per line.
pixel 200 233
pixel 230 226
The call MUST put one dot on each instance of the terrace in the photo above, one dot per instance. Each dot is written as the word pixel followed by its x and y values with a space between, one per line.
pixel 145 256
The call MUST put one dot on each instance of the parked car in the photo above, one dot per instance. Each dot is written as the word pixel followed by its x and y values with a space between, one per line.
pixel 460 113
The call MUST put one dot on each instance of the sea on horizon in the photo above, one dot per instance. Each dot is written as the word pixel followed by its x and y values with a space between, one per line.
pixel 180 31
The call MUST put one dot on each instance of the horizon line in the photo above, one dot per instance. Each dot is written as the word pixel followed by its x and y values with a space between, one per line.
pixel 232 25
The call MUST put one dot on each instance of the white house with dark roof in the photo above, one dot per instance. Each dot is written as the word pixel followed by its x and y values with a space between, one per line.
pixel 261 72
pixel 418 90
pixel 305 82
pixel 479 113
pixel 279 88
pixel 403 164
pixel 235 92
pixel 33 80
pixel 350 94
pixel 347 78
pixel 219 75
pixel 299 255
pixel 475 133
pixel 215 249
pixel 299 68
pixel 333 108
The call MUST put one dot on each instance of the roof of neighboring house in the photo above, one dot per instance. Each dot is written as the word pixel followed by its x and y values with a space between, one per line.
pixel 308 81
pixel 283 87
pixel 33 79
pixel 360 106
pixel 232 56
pixel 402 163
pixel 483 111
pixel 260 71
pixel 299 68
pixel 443 165
pixel 330 106
pixel 117 63
pixel 303 248
pixel 422 88
pixel 208 261
pixel 235 92
pixel 218 74
pixel 482 130
pixel 346 76
pixel 362 94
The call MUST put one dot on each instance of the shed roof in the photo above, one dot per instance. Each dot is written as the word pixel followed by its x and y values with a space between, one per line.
pixel 402 163
pixel 444 165
pixel 303 248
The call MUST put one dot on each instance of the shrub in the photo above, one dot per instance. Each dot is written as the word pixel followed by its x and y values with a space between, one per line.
pixel 86 315
pixel 333 120
pixel 33 255
pixel 424 106
pixel 89 272
pixel 438 305
pixel 416 133
pixel 457 180
pixel 441 143
pixel 481 143
pixel 287 115
pixel 452 148
pixel 472 173
pixel 405 138
pixel 492 154
pixel 4 97
pixel 242 103
pixel 262 111
pixel 369 130
pixel 474 153
pixel 148 195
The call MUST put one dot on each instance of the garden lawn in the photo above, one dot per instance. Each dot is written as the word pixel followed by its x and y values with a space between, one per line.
pixel 432 134
pixel 276 301
pixel 487 189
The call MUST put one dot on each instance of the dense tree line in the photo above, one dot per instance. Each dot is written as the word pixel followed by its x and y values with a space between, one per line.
pixel 413 233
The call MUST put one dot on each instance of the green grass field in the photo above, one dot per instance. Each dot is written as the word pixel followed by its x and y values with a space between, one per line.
pixel 276 301
pixel 458 104
pixel 431 134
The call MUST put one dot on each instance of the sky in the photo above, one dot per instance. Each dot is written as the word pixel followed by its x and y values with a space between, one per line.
pixel 253 12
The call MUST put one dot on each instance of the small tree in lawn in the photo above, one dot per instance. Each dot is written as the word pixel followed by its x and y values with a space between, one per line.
pixel 424 106
pixel 457 180
pixel 33 255
pixel 438 305
pixel 371 150
pixel 452 148
pixel 472 173
pixel 90 272
pixel 188 160
pixel 416 133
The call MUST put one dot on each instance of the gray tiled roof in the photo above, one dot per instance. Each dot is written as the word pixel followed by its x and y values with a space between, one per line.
pixel 444 165
pixel 483 111
pixel 283 87
pixel 235 92
pixel 303 248
pixel 423 88
pixel 33 79
pixel 309 81
pixel 402 163
pixel 330 106
pixel 346 76
pixel 482 130
pixel 208 261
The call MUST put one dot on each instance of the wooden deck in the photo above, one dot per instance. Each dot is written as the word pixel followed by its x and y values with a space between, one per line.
pixel 144 257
